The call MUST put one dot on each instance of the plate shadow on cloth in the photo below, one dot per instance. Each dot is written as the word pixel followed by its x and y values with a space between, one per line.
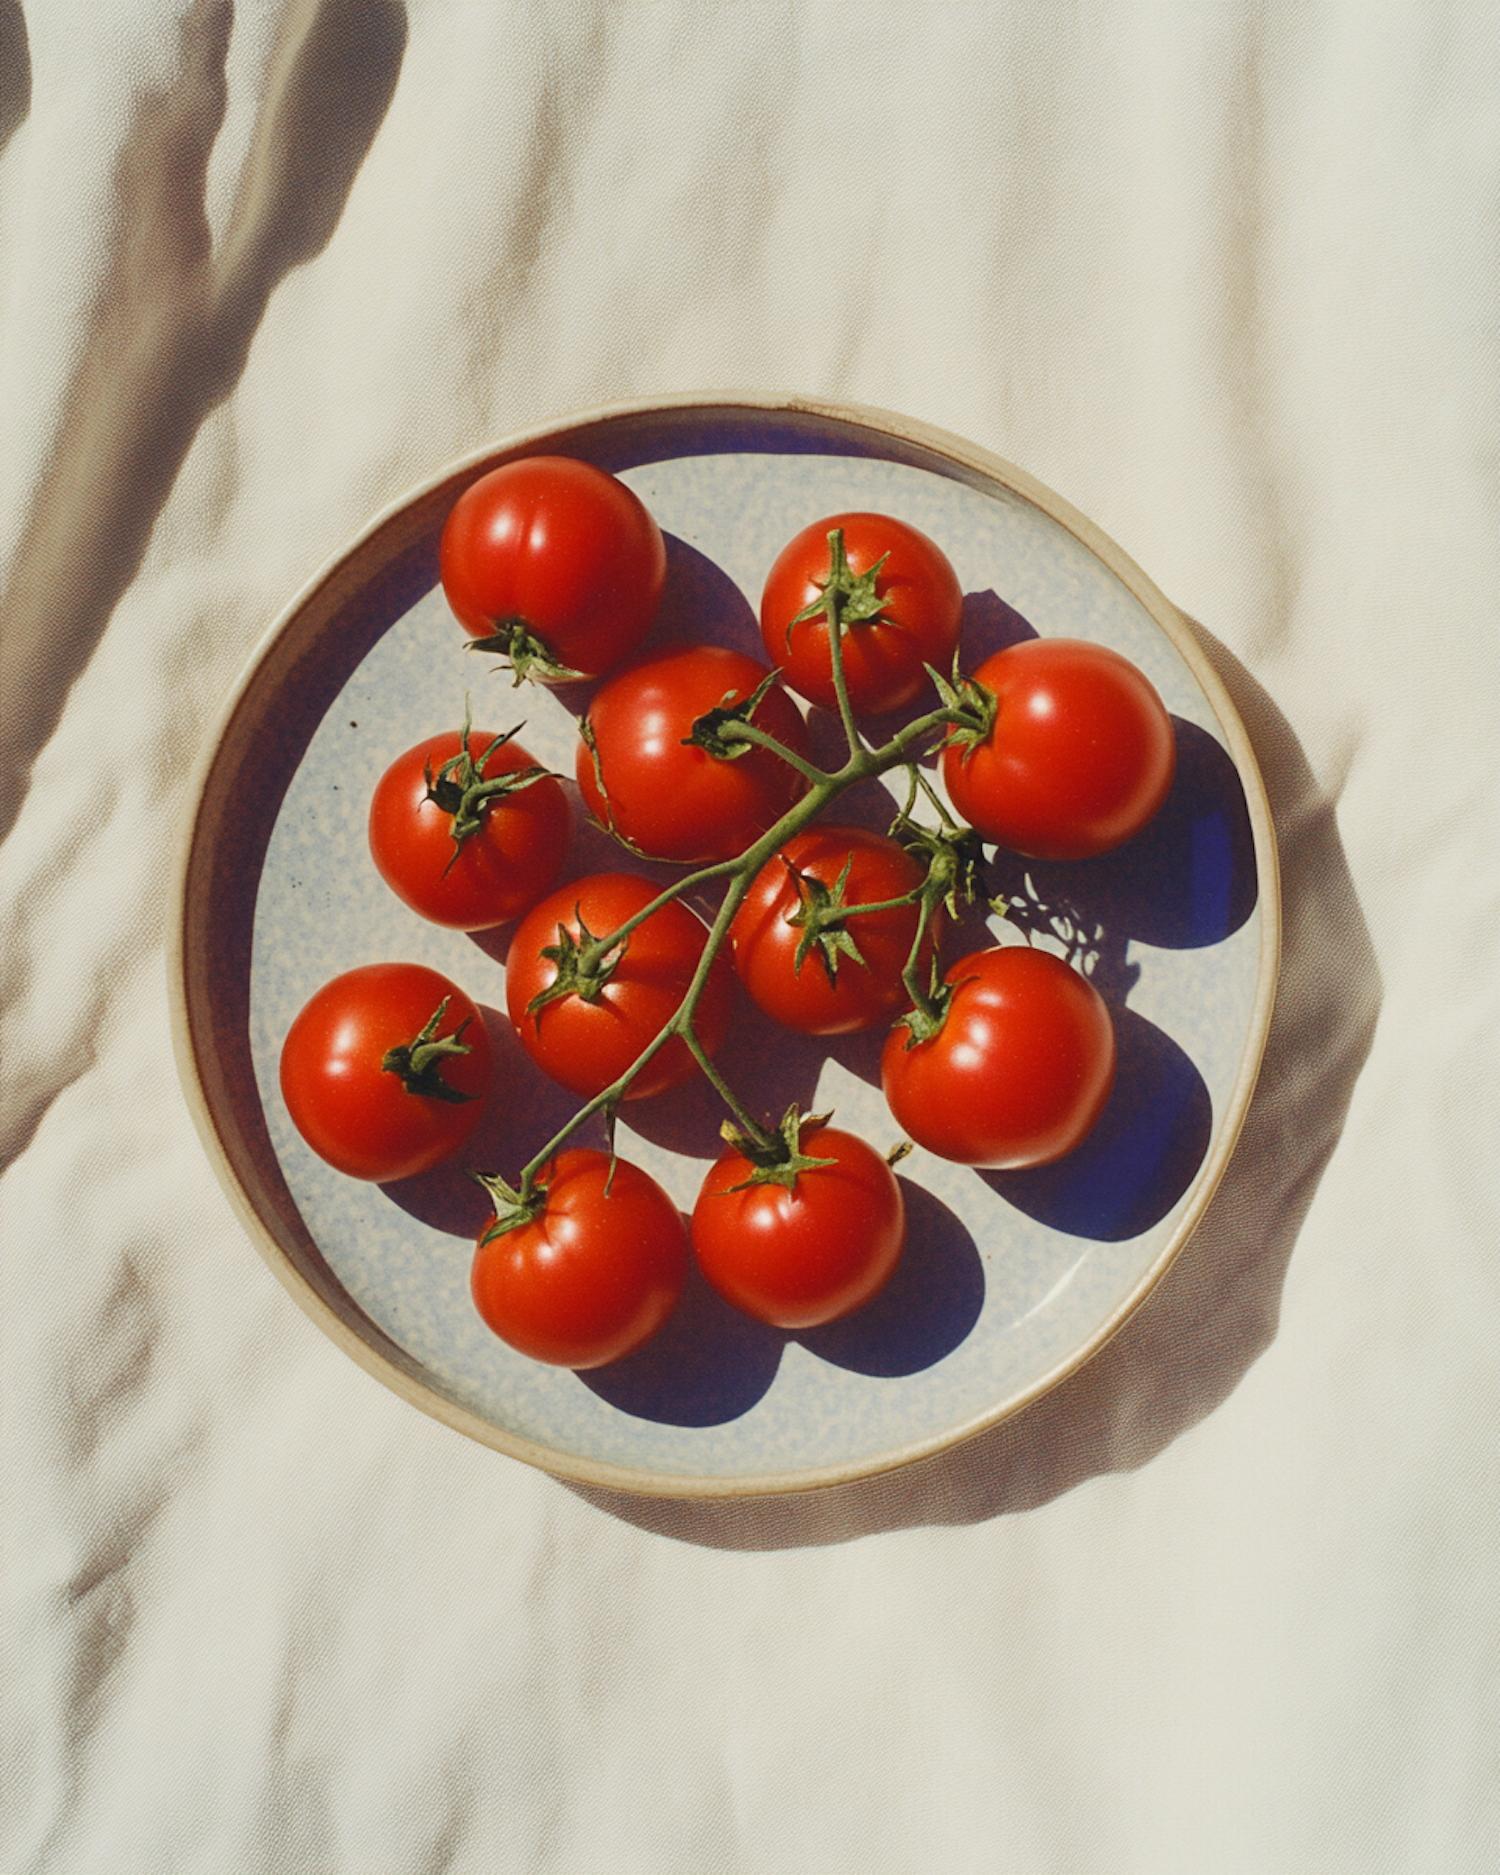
pixel 1216 1311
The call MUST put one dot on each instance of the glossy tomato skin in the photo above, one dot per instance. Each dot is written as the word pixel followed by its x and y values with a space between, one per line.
pixel 500 870
pixel 918 624
pixel 358 1115
pixel 587 1045
pixel 674 801
pixel 1080 758
pixel 595 1275
pixel 562 546
pixel 1018 1073
pixel 799 1257
pixel 765 944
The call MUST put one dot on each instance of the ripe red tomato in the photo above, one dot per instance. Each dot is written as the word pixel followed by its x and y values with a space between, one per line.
pixel 1079 759
pixel 358 1105
pixel 559 556
pixel 587 1042
pixel 595 1274
pixel 673 800
pixel 1019 1071
pixel 828 995
pixel 800 1255
pixel 903 611
pixel 512 845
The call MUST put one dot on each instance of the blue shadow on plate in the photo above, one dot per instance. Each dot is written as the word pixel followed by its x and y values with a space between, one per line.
pixel 1185 882
pixel 701 603
pixel 1141 1156
pixel 711 1364
pixel 991 625
pixel 631 443
pixel 925 1311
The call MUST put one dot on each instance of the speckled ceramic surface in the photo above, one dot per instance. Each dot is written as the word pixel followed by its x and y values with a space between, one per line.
pixel 1007 1277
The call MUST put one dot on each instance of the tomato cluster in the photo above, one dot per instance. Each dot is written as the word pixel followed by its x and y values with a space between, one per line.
pixel 618 990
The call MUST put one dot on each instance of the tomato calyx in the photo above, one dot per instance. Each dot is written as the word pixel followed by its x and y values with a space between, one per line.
pixel 459 788
pixel 713 731
pixel 957 871
pixel 821 916
pixel 929 1011
pixel 972 708
pixel 416 1063
pixel 584 965
pixel 514 1206
pixel 514 640
pixel 776 1157
pixel 846 597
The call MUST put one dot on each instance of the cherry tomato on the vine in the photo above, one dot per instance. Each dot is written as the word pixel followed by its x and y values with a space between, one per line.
pixel 594 1274
pixel 901 603
pixel 461 856
pixel 1018 1072
pixel 800 1254
pixel 1080 756
pixel 587 1035
pixel 672 799
pixel 385 1071
pixel 803 972
pixel 558 559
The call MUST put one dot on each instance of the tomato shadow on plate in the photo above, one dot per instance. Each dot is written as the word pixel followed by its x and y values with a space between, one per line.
pixel 708 1366
pixel 1142 1154
pixel 927 1309
pixel 711 1364
pixel 768 1068
pixel 525 1109
pixel 1187 881
pixel 990 625
pixel 701 603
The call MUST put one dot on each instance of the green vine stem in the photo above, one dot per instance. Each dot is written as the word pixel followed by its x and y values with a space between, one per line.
pixel 824 786
pixel 846 597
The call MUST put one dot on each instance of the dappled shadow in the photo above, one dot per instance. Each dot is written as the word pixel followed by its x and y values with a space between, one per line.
pixel 1184 882
pixel 1217 1308
pixel 174 325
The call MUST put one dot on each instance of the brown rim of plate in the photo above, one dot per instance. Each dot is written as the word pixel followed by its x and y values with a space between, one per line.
pixel 209 989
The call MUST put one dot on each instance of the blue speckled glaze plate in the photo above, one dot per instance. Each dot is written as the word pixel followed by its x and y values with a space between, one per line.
pixel 1009 1280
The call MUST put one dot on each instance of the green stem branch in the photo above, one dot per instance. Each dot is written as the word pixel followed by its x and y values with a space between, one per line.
pixel 824 787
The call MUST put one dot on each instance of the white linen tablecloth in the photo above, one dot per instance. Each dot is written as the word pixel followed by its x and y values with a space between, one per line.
pixel 1223 274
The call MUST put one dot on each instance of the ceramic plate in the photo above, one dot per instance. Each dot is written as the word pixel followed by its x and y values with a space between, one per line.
pixel 1010 1280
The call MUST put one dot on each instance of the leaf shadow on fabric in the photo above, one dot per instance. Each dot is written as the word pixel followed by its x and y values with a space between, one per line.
pixel 15 71
pixel 1217 1309
pixel 174 324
